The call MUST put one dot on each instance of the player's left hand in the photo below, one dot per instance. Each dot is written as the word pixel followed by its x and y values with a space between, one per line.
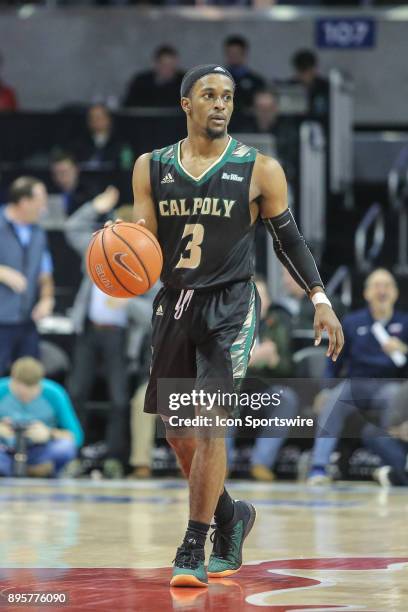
pixel 325 319
pixel 42 309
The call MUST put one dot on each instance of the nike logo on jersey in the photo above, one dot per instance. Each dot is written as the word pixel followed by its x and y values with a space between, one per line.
pixel 118 258
pixel 232 177
pixel 216 207
pixel 167 179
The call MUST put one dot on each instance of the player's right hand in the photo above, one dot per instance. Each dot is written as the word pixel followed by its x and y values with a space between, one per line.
pixel 13 279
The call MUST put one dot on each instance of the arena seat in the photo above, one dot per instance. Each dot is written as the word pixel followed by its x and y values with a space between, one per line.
pixel 310 362
pixel 54 359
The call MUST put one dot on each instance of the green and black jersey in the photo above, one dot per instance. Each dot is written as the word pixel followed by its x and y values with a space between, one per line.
pixel 204 223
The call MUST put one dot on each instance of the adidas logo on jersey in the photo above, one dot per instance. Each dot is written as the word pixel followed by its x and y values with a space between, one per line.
pixel 159 311
pixel 167 179
pixel 232 177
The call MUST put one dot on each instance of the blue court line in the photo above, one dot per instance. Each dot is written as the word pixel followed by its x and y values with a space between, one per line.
pixel 178 484
pixel 125 499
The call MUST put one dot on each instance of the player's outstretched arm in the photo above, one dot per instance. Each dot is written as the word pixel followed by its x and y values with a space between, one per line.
pixel 292 250
pixel 143 208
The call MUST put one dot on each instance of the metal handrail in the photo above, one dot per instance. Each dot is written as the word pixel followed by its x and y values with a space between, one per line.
pixel 398 196
pixel 398 188
pixel 341 279
pixel 373 218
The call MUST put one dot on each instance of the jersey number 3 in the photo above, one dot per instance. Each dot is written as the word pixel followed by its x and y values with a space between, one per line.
pixel 191 256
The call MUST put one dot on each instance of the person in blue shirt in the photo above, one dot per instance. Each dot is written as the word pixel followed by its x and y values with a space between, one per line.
pixel 51 429
pixel 370 365
pixel 26 282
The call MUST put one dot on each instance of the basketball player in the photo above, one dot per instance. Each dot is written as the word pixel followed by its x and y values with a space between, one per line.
pixel 201 197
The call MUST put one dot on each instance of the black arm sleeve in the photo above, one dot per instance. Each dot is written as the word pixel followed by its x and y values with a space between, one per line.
pixel 292 250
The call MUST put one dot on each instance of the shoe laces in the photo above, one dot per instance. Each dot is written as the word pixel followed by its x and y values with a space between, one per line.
pixel 188 556
pixel 221 539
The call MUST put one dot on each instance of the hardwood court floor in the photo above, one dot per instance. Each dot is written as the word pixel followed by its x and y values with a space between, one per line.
pixel 109 546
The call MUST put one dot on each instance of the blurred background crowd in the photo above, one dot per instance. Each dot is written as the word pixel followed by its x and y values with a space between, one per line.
pixel 74 362
pixel 256 3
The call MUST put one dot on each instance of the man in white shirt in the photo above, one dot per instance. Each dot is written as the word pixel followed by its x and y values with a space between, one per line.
pixel 102 324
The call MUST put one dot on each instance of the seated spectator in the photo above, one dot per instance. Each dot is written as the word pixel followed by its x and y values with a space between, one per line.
pixel 391 443
pixel 367 364
pixel 264 118
pixel 305 63
pixel 42 411
pixel 101 148
pixel 66 176
pixel 298 306
pixel 103 325
pixel 247 82
pixel 159 87
pixel 296 303
pixel 26 282
pixel 265 113
pixel 271 358
pixel 142 431
pixel 8 99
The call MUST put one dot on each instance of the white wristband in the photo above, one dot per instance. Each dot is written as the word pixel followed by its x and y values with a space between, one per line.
pixel 320 298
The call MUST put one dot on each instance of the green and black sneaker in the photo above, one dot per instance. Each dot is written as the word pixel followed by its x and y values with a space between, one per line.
pixel 189 569
pixel 226 556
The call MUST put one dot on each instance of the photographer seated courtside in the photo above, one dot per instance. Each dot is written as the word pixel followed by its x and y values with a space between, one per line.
pixel 39 430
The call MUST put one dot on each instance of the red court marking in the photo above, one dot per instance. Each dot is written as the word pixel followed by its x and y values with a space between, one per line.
pixel 147 590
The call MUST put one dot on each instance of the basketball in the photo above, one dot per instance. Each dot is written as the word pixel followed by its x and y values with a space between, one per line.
pixel 124 260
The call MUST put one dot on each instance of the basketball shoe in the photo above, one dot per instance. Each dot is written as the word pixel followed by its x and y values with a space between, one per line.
pixel 226 556
pixel 318 477
pixel 189 569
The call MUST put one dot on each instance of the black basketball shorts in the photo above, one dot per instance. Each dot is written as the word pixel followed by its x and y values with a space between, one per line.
pixel 204 336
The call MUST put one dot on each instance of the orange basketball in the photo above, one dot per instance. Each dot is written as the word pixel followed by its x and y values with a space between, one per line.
pixel 124 260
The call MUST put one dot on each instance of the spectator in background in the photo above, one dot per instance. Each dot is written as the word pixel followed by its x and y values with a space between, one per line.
pixel 298 306
pixel 247 83
pixel 367 364
pixel 142 432
pixel 26 283
pixel 265 119
pixel 271 359
pixel 101 148
pixel 68 183
pixel 296 303
pixel 51 429
pixel 102 325
pixel 265 112
pixel 306 66
pixel 391 443
pixel 159 87
pixel 8 99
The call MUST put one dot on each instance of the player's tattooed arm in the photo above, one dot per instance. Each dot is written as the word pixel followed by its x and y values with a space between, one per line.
pixel 270 188
pixel 143 210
